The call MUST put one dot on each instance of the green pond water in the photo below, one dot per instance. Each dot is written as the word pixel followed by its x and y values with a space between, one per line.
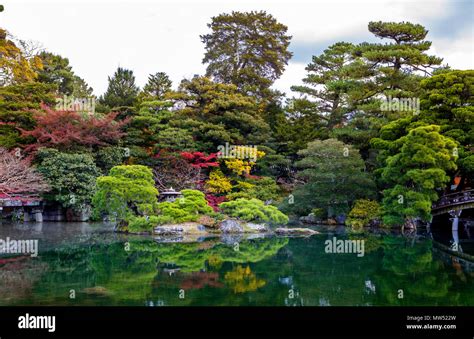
pixel 87 264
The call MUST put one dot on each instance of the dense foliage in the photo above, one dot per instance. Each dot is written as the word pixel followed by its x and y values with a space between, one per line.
pixel 229 141
pixel 188 208
pixel 71 176
pixel 127 191
pixel 333 177
pixel 253 210
pixel 363 213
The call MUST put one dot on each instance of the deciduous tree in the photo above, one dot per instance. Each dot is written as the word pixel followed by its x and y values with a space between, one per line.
pixel 18 177
pixel 66 130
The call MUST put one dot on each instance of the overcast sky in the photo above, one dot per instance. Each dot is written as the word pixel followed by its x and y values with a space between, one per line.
pixel 152 36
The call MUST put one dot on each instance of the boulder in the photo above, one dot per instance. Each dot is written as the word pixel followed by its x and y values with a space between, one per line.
pixel 257 228
pixel 231 226
pixel 207 221
pixel 168 230
pixel 309 219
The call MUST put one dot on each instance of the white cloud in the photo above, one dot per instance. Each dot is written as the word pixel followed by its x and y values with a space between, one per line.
pixel 458 52
pixel 151 36
pixel 293 75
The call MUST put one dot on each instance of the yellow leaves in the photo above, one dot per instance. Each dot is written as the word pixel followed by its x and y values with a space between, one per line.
pixel 243 159
pixel 244 185
pixel 218 183
pixel 14 67
pixel 242 280
pixel 238 166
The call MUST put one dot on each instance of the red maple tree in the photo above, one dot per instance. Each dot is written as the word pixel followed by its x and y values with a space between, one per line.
pixel 200 160
pixel 65 130
pixel 214 201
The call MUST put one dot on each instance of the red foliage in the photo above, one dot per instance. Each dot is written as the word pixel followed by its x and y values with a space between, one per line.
pixel 66 130
pixel 10 260
pixel 17 177
pixel 200 160
pixel 214 201
pixel 197 280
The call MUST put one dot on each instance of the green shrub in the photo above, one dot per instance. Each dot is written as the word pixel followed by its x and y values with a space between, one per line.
pixel 108 157
pixel 319 213
pixel 126 191
pixel 253 210
pixel 264 188
pixel 72 177
pixel 363 212
pixel 142 224
pixel 188 208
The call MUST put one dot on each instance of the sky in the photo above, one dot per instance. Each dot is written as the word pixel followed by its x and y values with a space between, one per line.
pixel 97 36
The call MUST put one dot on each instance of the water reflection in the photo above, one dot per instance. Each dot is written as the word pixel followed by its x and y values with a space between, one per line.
pixel 109 269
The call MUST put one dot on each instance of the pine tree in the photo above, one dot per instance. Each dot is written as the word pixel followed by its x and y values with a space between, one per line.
pixel 158 84
pixel 249 50
pixel 122 91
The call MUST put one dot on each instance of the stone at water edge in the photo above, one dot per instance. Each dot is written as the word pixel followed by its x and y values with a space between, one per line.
pixel 168 230
pixel 231 226
pixel 257 227
pixel 309 219
pixel 207 221
pixel 295 231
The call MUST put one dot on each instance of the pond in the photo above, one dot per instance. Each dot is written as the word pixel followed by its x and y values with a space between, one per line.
pixel 88 264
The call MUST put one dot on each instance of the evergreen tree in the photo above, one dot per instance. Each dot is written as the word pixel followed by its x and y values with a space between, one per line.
pixel 448 101
pixel 57 70
pixel 249 50
pixel 17 103
pixel 415 166
pixel 333 177
pixel 217 113
pixel 122 91
pixel 157 86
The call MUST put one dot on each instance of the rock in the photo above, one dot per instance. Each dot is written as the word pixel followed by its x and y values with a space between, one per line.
pixel 295 231
pixel 231 226
pixel 260 228
pixel 332 221
pixel 309 219
pixel 185 228
pixel 207 221
pixel 168 230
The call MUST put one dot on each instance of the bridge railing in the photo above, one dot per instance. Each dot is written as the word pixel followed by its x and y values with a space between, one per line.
pixel 454 199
